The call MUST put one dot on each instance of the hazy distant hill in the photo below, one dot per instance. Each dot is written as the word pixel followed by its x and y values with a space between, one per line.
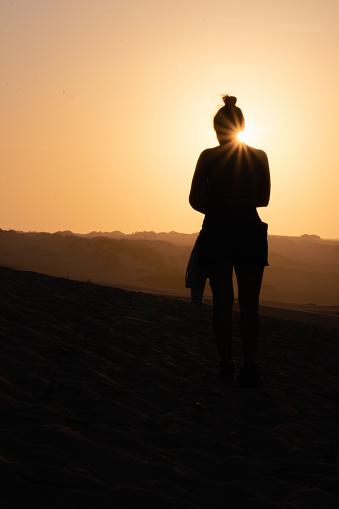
pixel 117 261
pixel 302 269
pixel 180 239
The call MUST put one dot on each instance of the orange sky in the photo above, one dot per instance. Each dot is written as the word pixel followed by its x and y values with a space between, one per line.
pixel 106 105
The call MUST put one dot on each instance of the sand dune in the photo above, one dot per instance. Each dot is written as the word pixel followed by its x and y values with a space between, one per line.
pixel 303 270
pixel 109 399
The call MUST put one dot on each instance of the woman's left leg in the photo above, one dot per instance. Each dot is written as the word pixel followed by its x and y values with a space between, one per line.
pixel 222 291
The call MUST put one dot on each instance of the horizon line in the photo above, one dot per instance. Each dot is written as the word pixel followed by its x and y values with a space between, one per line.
pixel 137 232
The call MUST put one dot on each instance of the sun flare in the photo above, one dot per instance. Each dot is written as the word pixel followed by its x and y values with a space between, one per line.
pixel 249 134
pixel 242 136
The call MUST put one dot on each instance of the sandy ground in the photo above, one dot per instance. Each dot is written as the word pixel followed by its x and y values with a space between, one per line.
pixel 109 399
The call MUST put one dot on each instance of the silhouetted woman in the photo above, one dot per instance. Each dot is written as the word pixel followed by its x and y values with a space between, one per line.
pixel 230 181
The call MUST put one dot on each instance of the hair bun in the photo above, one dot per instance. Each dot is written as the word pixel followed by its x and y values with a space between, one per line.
pixel 229 100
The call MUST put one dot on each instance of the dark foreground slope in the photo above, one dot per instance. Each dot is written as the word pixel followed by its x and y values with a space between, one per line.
pixel 109 399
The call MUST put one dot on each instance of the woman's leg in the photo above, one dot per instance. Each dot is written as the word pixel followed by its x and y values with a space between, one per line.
pixel 249 279
pixel 222 290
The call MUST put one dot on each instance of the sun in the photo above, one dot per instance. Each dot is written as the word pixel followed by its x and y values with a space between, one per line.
pixel 242 136
pixel 249 134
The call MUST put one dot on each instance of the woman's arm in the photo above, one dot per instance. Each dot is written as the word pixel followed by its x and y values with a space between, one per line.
pixel 197 197
pixel 264 189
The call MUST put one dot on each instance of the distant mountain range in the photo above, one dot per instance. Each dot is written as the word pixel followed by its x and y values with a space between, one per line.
pixel 180 239
pixel 302 269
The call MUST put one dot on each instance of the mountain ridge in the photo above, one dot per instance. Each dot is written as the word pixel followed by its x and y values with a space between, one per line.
pixel 302 270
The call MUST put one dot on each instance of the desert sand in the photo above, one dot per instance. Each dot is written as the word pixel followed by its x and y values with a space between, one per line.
pixel 109 399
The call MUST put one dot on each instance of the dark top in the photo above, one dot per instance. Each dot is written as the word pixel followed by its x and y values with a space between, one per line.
pixel 229 182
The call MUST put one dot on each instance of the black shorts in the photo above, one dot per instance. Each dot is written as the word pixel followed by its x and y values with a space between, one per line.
pixel 236 235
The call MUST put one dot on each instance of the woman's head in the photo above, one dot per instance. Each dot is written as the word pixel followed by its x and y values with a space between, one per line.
pixel 229 119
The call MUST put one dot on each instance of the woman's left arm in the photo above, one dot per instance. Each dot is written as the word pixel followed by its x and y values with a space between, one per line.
pixel 264 190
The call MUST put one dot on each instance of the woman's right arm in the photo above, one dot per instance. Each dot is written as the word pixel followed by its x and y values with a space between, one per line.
pixel 198 197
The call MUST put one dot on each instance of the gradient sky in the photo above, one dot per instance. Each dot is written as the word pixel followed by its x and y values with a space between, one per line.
pixel 107 104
